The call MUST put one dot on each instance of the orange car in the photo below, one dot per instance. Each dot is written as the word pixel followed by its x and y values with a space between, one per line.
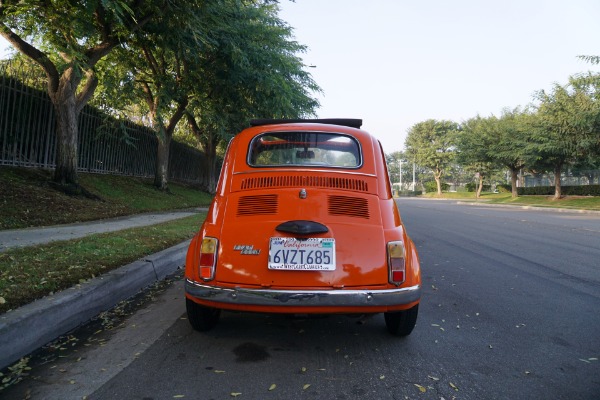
pixel 303 221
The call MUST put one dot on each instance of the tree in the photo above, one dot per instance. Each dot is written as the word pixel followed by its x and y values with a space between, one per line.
pixel 162 64
pixel 67 40
pixel 508 144
pixel 250 70
pixel 431 145
pixel 566 124
pixel 473 143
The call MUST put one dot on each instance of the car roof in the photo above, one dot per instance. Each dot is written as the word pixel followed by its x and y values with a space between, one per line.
pixel 351 122
pixel 373 161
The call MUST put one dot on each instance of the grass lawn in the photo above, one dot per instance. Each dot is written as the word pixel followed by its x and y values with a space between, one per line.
pixel 569 202
pixel 28 200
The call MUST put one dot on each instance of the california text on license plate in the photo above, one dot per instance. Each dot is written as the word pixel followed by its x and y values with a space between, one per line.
pixel 314 254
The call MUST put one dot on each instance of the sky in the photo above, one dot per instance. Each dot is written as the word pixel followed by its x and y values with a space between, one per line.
pixel 394 63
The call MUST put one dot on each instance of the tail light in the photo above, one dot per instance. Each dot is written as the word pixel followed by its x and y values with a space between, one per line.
pixel 208 258
pixel 396 265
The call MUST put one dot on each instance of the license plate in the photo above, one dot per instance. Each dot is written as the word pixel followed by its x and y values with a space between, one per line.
pixel 314 254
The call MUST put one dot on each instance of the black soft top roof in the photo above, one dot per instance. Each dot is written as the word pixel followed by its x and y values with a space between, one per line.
pixel 352 123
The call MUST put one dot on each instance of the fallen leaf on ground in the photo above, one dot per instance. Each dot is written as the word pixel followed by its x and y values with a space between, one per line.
pixel 453 386
pixel 272 387
pixel 306 386
pixel 422 389
pixel 235 394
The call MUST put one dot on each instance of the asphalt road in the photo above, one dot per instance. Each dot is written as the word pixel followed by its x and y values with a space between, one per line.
pixel 510 310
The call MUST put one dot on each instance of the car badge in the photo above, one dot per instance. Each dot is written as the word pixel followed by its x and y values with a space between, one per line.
pixel 302 194
pixel 246 249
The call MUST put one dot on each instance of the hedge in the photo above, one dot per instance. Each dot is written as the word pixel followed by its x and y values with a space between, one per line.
pixel 472 186
pixel 410 193
pixel 431 186
pixel 585 190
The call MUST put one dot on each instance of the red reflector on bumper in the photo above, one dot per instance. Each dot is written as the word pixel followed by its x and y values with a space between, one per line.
pixel 398 276
pixel 207 259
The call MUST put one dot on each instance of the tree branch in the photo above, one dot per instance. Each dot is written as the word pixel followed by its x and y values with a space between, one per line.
pixel 36 55
pixel 88 90
pixel 176 117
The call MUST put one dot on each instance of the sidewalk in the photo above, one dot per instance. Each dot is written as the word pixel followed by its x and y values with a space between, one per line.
pixel 32 236
pixel 27 328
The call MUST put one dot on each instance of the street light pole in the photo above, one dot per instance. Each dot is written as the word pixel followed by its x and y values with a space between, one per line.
pixel 400 164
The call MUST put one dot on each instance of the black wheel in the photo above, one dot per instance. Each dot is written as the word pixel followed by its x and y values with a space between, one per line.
pixel 401 323
pixel 201 318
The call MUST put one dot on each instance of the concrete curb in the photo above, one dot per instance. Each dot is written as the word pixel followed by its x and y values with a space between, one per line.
pixel 535 208
pixel 28 328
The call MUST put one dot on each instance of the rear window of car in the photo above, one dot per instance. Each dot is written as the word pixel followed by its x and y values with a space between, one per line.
pixel 275 149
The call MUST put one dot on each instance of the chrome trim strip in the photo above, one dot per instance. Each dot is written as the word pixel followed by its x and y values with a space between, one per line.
pixel 305 170
pixel 303 298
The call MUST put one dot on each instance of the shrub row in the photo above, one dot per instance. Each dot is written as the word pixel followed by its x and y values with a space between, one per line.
pixel 504 188
pixel 431 186
pixel 472 187
pixel 586 190
pixel 410 193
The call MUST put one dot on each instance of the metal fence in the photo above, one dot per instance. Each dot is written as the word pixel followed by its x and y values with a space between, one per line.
pixel 106 145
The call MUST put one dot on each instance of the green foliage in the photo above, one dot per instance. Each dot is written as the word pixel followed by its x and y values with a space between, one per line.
pixel 584 190
pixel 473 142
pixel 504 188
pixel 410 193
pixel 472 187
pixel 431 145
pixel 566 125
pixel 249 69
pixel 431 186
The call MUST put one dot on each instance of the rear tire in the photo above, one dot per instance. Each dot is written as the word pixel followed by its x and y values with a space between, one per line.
pixel 201 318
pixel 401 323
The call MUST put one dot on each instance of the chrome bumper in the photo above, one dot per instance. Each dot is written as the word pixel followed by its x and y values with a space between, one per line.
pixel 303 298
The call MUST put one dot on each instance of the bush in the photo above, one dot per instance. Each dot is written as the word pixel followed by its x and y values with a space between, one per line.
pixel 410 193
pixel 431 186
pixel 585 190
pixel 472 187
pixel 504 188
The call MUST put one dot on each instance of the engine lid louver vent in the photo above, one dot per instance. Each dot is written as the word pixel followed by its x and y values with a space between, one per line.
pixel 348 206
pixel 305 181
pixel 257 205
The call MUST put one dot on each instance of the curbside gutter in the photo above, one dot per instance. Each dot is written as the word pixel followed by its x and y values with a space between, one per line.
pixel 30 327
pixel 525 207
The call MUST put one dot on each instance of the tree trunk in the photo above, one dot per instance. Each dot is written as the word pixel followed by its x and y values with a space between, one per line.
pixel 67 134
pixel 210 150
pixel 557 188
pixel 161 175
pixel 513 182
pixel 64 101
pixel 479 186
pixel 437 176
